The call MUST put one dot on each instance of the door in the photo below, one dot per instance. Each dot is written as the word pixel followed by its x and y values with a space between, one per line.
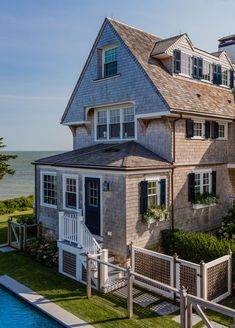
pixel 92 205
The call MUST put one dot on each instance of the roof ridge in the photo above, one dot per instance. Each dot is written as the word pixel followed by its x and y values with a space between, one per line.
pixel 135 28
pixel 172 37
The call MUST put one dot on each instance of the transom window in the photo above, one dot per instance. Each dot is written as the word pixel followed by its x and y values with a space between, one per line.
pixel 110 61
pixel 70 192
pixel 49 189
pixel 203 183
pixel 115 123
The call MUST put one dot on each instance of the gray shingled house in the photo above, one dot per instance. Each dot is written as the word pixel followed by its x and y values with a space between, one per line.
pixel 153 132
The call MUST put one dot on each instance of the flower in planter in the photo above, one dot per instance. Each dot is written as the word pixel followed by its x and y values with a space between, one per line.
pixel 206 199
pixel 155 213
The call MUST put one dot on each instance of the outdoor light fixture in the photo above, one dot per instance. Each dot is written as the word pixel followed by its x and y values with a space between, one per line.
pixel 107 186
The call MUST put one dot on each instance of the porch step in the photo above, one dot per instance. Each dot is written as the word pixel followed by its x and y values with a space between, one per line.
pixel 115 284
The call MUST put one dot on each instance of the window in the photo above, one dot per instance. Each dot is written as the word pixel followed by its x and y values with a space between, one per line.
pixel 115 123
pixel 224 77
pixel 49 189
pixel 203 183
pixel 206 71
pixel 198 129
pixel 185 64
pixel 93 194
pixel 70 187
pixel 153 193
pixel 222 134
pixel 110 62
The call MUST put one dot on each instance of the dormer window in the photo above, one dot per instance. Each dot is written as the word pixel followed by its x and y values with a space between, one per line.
pixel 109 61
pixel 224 76
pixel 206 71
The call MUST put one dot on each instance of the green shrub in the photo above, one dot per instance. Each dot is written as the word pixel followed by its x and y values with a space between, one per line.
pixel 26 219
pixel 227 229
pixel 17 204
pixel 193 246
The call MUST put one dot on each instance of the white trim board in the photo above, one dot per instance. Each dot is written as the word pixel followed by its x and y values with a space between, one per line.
pixel 51 309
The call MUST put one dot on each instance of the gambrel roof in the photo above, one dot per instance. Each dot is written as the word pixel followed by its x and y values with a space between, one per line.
pixel 180 94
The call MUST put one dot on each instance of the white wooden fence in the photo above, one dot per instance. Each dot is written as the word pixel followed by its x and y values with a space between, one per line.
pixel 211 281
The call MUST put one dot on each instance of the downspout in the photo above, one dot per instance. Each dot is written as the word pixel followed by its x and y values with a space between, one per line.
pixel 172 174
pixel 35 193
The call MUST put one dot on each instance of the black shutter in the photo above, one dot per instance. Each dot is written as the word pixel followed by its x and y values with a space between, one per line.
pixel 194 68
pixel 215 130
pixel 213 182
pixel 219 79
pixel 189 128
pixel 143 196
pixel 191 184
pixel 163 192
pixel 231 79
pixel 200 68
pixel 177 61
pixel 207 129
pixel 214 74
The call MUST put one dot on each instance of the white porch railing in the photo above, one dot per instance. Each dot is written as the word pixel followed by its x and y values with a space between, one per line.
pixel 72 229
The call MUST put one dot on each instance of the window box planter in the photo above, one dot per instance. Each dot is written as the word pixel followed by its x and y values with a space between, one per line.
pixel 155 214
pixel 199 206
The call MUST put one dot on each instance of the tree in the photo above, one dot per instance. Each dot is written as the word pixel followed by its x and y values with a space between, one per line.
pixel 5 168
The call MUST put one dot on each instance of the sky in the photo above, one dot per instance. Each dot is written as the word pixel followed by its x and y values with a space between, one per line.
pixel 44 45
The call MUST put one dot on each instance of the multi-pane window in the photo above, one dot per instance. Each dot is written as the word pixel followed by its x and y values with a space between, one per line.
pixel 93 194
pixel 115 123
pixel 153 193
pixel 70 193
pixel 110 62
pixel 202 183
pixel 224 76
pixel 185 64
pixel 222 131
pixel 49 189
pixel 102 124
pixel 198 128
pixel 114 126
pixel 206 71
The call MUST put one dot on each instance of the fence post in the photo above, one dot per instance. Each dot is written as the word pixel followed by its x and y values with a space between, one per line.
pixel 9 231
pixel 130 293
pixel 189 314
pixel 203 275
pixel 61 226
pixel 175 258
pixel 230 272
pixel 104 268
pixel 183 307
pixel 88 276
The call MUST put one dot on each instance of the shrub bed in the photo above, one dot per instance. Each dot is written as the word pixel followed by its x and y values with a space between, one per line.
pixel 17 204
pixel 44 251
pixel 193 246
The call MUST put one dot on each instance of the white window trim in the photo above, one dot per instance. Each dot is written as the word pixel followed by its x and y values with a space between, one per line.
pixel 42 173
pixel 108 108
pixel 108 47
pixel 156 179
pixel 201 172
pixel 203 130
pixel 75 177
pixel 225 131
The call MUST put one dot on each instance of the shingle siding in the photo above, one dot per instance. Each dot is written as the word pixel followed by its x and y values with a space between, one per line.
pixel 133 84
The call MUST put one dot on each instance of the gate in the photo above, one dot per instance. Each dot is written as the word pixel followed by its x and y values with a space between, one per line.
pixel 14 234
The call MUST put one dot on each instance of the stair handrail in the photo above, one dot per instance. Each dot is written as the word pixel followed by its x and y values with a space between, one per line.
pixel 95 247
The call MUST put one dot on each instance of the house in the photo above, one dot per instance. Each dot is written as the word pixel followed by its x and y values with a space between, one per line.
pixel 152 122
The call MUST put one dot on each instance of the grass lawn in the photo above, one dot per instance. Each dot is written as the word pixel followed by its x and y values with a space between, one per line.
pixel 100 311
pixel 3 224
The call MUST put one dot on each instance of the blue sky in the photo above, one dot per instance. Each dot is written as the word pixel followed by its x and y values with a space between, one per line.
pixel 44 44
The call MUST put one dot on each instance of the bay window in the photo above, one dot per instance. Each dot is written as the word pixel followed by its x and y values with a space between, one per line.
pixel 115 123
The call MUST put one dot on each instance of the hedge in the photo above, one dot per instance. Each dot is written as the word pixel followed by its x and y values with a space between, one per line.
pixel 193 246
pixel 17 204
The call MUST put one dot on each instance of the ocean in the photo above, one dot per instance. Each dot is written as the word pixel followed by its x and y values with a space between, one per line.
pixel 22 182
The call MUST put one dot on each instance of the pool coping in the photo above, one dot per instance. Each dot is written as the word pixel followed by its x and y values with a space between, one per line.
pixel 44 305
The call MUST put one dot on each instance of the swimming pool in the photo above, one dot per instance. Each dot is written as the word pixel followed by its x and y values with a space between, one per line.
pixel 15 313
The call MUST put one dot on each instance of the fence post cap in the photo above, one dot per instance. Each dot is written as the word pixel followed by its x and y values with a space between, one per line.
pixel 175 255
pixel 202 262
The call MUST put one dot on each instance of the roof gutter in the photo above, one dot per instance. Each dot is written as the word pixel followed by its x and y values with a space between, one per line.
pixel 201 114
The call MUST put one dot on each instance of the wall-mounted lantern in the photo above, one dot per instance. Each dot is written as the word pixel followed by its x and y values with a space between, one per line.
pixel 107 186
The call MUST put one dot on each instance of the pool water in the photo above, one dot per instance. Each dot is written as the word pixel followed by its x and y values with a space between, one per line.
pixel 15 313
